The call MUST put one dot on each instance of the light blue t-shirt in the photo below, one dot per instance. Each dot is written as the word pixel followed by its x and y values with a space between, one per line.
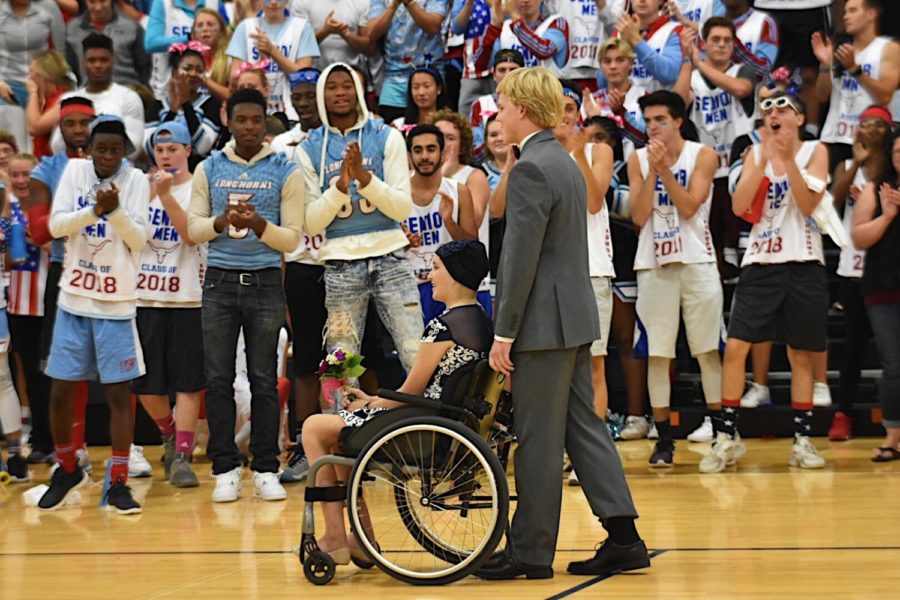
pixel 49 171
pixel 406 45
pixel 237 47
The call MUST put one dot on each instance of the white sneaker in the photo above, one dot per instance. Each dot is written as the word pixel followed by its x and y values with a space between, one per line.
pixel 652 434
pixel 138 466
pixel 804 455
pixel 724 453
pixel 821 394
pixel 756 395
pixel 228 486
pixel 573 479
pixel 84 461
pixel 267 487
pixel 704 433
pixel 636 428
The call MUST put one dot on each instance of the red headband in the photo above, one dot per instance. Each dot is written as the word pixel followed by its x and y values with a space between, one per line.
pixel 75 108
pixel 876 112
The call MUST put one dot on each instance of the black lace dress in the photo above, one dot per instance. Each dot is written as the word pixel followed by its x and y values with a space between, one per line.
pixel 472 332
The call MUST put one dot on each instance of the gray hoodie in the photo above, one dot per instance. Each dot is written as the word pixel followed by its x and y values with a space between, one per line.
pixel 20 39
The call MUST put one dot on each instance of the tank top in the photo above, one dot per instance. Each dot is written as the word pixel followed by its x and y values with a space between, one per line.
pixel 849 99
pixel 719 117
pixel 783 234
pixel 509 41
pixel 426 221
pixel 600 249
pixel 852 260
pixel 641 77
pixel 586 35
pixel 666 237
pixel 484 233
pixel 170 272
pixel 750 31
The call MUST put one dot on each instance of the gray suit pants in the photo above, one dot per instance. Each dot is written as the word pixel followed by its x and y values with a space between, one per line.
pixel 554 409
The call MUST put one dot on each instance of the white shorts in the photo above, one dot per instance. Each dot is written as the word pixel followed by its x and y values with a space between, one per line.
pixel 603 297
pixel 694 291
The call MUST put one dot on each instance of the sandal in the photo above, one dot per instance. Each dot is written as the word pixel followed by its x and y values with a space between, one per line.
pixel 886 454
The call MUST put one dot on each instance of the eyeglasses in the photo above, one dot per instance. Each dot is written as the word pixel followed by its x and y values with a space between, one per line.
pixel 780 102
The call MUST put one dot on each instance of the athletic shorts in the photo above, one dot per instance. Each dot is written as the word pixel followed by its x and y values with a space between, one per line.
pixel 795 29
pixel 603 297
pixel 94 348
pixel 625 241
pixel 172 342
pixel 786 303
pixel 431 308
pixel 693 291
pixel 304 290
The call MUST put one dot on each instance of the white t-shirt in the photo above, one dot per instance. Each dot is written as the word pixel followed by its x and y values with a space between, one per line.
pixel 783 234
pixel 116 100
pixel 170 272
pixel 667 237
pixel 100 270
pixel 334 48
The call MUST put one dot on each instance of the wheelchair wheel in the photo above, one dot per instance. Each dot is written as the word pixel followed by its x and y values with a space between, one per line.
pixel 318 567
pixel 437 502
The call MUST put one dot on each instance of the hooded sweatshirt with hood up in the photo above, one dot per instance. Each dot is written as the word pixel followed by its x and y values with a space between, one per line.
pixel 366 222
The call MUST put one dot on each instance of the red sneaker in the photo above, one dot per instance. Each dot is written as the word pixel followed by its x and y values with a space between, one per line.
pixel 841 428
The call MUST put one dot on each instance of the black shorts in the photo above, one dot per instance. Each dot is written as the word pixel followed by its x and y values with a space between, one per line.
pixel 795 29
pixel 51 296
pixel 786 303
pixel 172 341
pixel 304 290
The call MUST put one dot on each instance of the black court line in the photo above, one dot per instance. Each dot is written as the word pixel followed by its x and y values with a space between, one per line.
pixel 596 580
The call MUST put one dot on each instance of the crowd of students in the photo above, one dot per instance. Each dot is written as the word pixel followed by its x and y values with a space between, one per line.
pixel 201 171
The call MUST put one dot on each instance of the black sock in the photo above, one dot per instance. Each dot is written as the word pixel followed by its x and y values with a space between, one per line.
pixel 730 416
pixel 664 428
pixel 802 427
pixel 621 531
pixel 716 417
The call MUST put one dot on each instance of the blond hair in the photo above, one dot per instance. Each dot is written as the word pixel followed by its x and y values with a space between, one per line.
pixel 537 91
pixel 52 66
pixel 617 44
pixel 220 68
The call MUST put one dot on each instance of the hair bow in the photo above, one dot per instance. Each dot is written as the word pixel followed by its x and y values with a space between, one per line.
pixel 194 45
pixel 262 65
pixel 620 122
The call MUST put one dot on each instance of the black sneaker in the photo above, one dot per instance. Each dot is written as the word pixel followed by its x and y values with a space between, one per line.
pixel 663 456
pixel 168 453
pixel 18 468
pixel 61 484
pixel 121 500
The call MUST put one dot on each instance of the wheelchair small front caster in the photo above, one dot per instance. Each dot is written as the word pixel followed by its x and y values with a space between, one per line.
pixel 318 568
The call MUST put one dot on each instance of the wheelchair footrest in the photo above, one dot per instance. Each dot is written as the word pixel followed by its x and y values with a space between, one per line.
pixel 336 493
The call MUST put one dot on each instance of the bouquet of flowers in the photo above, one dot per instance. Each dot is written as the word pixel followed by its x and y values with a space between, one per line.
pixel 335 371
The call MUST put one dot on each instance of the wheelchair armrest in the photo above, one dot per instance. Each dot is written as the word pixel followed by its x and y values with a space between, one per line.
pixel 418 401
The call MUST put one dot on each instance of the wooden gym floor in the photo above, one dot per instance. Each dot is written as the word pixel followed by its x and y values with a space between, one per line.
pixel 763 530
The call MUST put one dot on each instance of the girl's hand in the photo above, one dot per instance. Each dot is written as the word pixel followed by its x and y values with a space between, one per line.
pixel 360 399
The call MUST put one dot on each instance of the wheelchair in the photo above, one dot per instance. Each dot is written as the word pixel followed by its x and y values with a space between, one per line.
pixel 427 495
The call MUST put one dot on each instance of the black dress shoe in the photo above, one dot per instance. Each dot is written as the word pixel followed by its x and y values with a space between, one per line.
pixel 611 558
pixel 503 566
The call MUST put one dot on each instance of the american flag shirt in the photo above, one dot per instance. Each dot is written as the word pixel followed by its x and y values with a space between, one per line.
pixel 473 35
pixel 27 280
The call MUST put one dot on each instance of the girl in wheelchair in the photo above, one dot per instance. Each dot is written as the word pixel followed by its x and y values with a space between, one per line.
pixel 463 334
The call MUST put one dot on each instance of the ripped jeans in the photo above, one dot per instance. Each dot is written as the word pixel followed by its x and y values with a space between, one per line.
pixel 389 281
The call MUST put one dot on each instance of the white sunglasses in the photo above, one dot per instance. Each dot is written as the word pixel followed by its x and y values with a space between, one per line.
pixel 780 102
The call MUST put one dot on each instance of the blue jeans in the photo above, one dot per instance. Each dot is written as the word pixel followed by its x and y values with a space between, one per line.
pixel 389 281
pixel 253 301
pixel 885 319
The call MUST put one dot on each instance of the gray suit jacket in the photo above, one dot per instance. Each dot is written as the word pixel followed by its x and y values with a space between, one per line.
pixel 544 295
